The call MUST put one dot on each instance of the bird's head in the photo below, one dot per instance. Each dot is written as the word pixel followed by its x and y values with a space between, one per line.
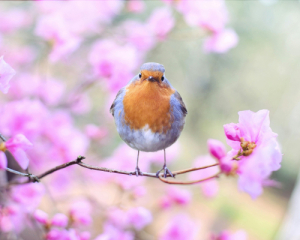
pixel 152 72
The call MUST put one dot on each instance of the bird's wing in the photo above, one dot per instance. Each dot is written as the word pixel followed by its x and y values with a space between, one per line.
pixel 112 108
pixel 182 105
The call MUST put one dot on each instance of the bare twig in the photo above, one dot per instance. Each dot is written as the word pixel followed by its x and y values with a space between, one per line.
pixel 78 161
pixel 188 182
pixel 32 178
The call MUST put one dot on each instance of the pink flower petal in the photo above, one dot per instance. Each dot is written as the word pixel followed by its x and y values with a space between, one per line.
pixel 6 73
pixel 18 141
pixel 20 157
pixel 41 216
pixel 3 160
pixel 221 42
pixel 139 217
pixel 60 220
pixel 216 148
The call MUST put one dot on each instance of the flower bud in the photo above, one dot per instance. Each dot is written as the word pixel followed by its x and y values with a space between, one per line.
pixel 59 220
pixel 40 216
pixel 85 236
pixel 232 131
pixel 216 148
pixel 3 160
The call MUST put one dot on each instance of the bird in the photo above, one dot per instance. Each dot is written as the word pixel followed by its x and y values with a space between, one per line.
pixel 149 113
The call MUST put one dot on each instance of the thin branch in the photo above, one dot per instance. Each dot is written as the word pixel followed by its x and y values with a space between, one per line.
pixel 145 174
pixel 188 182
pixel 193 169
pixel 78 161
pixel 32 178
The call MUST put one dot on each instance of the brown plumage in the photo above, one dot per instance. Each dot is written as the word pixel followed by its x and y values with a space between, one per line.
pixel 147 102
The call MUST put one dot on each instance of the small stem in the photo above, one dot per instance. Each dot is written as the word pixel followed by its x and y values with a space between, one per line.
pixel 237 156
pixel 32 178
pixel 188 182
pixel 17 172
pixel 194 169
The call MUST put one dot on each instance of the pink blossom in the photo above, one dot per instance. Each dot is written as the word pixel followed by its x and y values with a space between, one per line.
pixel 59 220
pixel 161 22
pixel 54 234
pixel 106 56
pixel 28 195
pixel 139 217
pixel 62 234
pixel 209 187
pixel 113 233
pixel 117 80
pixel 221 42
pixel 113 63
pixel 16 146
pixel 118 218
pixel 20 87
pixel 165 202
pixel 3 160
pixel 94 132
pixel 80 212
pixel 211 15
pixel 137 36
pixel 216 148
pixel 51 91
pixel 25 116
pixel 53 28
pixel 179 196
pixel 19 55
pixel 67 141
pixel 139 191
pixel 232 132
pixel 84 236
pixel 13 20
pixel 260 151
pixel 136 6
pixel 95 12
pixel 41 216
pixel 12 218
pixel 227 235
pixel 80 104
pixel 180 227
pixel 6 73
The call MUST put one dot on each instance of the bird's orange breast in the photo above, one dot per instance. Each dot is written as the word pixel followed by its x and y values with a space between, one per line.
pixel 148 103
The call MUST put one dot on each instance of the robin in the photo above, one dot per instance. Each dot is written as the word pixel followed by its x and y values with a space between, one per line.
pixel 149 113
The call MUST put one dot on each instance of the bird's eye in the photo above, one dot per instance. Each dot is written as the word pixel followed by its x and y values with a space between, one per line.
pixel 162 78
pixel 140 75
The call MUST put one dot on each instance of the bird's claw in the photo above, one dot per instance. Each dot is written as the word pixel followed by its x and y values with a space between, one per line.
pixel 166 172
pixel 138 172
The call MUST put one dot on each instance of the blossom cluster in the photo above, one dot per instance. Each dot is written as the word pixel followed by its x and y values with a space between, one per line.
pixel 255 151
pixel 50 115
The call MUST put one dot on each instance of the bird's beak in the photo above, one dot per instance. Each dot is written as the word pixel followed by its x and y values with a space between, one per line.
pixel 151 79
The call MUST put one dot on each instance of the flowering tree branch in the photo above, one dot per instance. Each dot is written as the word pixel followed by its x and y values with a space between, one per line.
pixel 78 161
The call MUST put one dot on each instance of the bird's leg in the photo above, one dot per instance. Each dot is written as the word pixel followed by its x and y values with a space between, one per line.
pixel 137 170
pixel 165 169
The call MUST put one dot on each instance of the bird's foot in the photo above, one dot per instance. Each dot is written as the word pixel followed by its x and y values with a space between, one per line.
pixel 166 172
pixel 138 172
